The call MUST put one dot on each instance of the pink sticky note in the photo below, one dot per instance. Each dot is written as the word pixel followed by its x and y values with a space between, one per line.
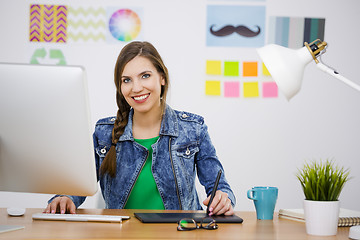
pixel 270 89
pixel 231 89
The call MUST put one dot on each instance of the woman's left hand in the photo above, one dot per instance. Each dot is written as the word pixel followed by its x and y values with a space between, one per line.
pixel 221 204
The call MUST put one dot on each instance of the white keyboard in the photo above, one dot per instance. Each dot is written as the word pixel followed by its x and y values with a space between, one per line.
pixel 78 217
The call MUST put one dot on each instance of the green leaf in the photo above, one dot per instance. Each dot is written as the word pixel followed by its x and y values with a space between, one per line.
pixel 322 181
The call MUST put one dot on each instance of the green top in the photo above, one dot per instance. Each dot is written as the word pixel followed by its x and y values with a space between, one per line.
pixel 145 194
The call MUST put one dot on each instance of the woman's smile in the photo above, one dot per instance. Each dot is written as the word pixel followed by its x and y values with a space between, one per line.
pixel 141 98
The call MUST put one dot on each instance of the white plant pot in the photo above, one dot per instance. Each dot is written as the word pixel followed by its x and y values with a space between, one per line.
pixel 321 217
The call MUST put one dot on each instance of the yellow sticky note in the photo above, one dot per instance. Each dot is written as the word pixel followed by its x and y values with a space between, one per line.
pixel 251 89
pixel 265 71
pixel 212 88
pixel 213 67
pixel 250 69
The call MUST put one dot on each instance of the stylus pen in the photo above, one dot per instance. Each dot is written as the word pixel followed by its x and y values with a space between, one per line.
pixel 214 190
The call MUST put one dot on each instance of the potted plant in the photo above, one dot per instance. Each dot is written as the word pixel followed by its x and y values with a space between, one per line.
pixel 322 183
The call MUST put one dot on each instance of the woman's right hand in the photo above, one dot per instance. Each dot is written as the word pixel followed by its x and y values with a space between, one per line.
pixel 61 204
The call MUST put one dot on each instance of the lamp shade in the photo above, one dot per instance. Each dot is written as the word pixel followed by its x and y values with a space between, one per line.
pixel 286 66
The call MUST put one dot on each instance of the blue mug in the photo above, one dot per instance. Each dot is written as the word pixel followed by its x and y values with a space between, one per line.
pixel 264 200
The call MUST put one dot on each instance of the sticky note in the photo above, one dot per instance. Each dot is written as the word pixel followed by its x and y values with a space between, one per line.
pixel 251 89
pixel 212 88
pixel 270 89
pixel 231 68
pixel 265 71
pixel 231 89
pixel 250 69
pixel 213 67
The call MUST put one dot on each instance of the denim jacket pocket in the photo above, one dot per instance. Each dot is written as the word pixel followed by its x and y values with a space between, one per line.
pixel 187 151
pixel 101 151
pixel 186 154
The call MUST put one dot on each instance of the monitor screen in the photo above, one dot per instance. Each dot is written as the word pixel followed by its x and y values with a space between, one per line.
pixel 45 130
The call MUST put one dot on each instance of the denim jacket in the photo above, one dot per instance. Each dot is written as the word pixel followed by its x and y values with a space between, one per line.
pixel 183 150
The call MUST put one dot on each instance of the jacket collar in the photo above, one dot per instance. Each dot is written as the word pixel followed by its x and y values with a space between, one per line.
pixel 169 125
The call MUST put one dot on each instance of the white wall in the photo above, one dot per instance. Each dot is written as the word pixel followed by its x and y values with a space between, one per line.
pixel 260 142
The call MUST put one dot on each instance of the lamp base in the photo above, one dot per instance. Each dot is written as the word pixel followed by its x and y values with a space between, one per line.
pixel 354 232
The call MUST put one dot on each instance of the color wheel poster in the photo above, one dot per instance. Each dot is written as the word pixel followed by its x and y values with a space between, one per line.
pixel 125 24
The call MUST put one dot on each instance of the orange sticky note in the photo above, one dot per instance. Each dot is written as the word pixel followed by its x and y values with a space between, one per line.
pixel 251 89
pixel 212 88
pixel 250 69
pixel 213 67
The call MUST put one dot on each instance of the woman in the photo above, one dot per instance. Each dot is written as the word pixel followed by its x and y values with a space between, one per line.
pixel 148 155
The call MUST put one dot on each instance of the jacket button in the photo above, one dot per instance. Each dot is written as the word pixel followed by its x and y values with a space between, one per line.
pixel 103 150
pixel 185 116
pixel 187 152
pixel 113 119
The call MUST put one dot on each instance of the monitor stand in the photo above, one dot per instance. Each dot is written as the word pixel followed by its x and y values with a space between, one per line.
pixel 8 228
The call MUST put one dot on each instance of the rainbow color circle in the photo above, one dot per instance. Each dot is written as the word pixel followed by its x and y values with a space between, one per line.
pixel 124 25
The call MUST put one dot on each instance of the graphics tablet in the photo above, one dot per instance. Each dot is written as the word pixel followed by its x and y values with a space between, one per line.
pixel 175 217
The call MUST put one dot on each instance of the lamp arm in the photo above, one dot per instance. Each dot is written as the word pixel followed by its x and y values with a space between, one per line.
pixel 335 74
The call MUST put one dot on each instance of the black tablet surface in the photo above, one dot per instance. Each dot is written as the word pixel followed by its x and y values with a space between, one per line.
pixel 175 217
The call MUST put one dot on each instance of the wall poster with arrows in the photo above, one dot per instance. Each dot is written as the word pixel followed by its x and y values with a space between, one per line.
pixel 53 27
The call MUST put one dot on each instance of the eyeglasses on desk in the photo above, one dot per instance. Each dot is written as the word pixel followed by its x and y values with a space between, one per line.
pixel 188 224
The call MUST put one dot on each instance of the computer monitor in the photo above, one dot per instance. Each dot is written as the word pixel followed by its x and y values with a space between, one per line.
pixel 45 130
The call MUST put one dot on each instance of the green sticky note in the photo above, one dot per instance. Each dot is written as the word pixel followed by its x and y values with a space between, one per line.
pixel 231 68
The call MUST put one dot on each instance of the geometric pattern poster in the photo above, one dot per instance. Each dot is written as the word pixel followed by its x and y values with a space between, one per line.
pixel 48 23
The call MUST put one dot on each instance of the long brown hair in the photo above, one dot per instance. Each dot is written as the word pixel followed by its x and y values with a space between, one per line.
pixel 129 52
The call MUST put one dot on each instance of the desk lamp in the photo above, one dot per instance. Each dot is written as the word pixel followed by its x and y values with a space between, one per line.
pixel 286 66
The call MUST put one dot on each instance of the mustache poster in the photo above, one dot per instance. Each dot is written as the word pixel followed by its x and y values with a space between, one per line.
pixel 229 29
pixel 235 26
